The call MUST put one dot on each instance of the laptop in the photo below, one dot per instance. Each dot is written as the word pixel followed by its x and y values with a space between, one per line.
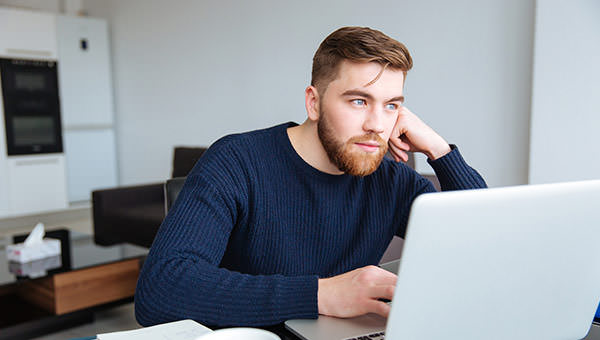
pixel 505 263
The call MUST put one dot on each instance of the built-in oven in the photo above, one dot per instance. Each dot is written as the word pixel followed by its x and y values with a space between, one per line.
pixel 31 106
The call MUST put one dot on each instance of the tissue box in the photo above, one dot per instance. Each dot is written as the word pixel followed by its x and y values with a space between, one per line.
pixel 37 268
pixel 21 253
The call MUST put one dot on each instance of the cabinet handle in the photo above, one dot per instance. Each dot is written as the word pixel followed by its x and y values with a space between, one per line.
pixel 37 162
pixel 29 52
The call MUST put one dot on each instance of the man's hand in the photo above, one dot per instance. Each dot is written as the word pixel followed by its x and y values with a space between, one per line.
pixel 411 134
pixel 356 292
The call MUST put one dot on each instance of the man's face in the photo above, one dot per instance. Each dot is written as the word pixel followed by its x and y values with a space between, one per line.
pixel 356 119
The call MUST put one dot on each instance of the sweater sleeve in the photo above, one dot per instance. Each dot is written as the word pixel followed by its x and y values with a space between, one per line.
pixel 454 173
pixel 181 277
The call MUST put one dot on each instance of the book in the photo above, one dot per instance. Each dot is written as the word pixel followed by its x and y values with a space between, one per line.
pixel 177 330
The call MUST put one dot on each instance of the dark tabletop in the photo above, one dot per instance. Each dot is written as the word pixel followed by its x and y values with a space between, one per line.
pixel 78 251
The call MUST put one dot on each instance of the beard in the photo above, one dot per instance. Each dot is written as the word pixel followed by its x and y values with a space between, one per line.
pixel 345 155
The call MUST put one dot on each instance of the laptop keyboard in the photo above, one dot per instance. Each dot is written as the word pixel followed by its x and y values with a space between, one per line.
pixel 374 336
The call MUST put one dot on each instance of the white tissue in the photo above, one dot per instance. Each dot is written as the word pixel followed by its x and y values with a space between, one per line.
pixel 36 235
pixel 34 248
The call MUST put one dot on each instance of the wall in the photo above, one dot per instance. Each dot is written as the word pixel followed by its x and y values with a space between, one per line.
pixel 56 6
pixel 188 72
pixel 566 88
pixel 42 5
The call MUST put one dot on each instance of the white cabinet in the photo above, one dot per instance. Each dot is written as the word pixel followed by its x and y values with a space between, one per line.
pixel 4 209
pixel 4 201
pixel 91 162
pixel 86 105
pixel 27 34
pixel 37 183
pixel 81 47
pixel 31 183
pixel 84 72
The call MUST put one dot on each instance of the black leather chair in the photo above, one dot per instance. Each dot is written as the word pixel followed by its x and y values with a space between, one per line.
pixel 172 188
pixel 133 214
pixel 130 214
pixel 184 159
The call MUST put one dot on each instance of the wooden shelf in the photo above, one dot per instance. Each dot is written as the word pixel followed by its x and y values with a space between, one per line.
pixel 71 291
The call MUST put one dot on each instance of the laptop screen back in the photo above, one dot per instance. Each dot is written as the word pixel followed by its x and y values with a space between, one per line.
pixel 506 263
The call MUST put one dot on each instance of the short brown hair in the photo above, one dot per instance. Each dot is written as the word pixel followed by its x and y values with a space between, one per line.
pixel 357 44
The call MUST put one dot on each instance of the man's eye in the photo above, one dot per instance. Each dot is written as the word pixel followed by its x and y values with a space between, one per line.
pixel 391 106
pixel 358 102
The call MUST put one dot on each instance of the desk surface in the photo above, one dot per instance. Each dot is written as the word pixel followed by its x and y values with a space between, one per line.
pixel 284 334
pixel 594 333
pixel 84 253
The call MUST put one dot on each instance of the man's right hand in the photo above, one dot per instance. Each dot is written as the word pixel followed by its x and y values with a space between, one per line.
pixel 356 293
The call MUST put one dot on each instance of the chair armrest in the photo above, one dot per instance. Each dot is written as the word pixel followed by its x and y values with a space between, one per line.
pixel 129 214
pixel 172 188
pixel 127 196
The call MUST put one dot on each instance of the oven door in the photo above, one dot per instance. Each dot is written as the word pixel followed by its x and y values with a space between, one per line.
pixel 31 106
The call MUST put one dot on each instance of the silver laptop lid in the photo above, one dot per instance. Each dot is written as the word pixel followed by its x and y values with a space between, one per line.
pixel 507 263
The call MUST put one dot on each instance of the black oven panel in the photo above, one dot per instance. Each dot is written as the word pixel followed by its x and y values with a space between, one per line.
pixel 31 106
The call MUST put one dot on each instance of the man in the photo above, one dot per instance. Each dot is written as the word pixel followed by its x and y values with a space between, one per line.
pixel 287 222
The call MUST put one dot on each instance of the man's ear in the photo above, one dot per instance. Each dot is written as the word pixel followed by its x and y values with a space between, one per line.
pixel 311 100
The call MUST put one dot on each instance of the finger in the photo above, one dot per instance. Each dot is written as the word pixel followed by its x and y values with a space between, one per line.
pixel 395 153
pixel 386 278
pixel 400 143
pixel 382 291
pixel 404 111
pixel 400 125
pixel 404 139
pixel 378 307
pixel 398 154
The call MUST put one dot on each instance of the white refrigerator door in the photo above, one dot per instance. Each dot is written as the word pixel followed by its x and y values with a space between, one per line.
pixel 84 72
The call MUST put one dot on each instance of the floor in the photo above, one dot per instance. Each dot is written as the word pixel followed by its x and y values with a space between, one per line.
pixel 115 319
pixel 77 217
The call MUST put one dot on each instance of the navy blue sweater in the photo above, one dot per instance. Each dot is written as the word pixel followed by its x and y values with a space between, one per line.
pixel 255 226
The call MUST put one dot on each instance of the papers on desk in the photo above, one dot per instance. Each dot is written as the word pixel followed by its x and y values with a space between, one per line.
pixel 178 330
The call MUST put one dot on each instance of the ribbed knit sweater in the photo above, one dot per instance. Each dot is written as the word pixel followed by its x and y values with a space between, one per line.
pixel 255 227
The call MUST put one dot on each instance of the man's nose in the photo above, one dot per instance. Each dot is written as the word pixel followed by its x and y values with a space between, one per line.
pixel 374 121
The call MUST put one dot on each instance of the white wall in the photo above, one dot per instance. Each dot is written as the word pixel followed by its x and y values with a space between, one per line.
pixel 566 92
pixel 42 5
pixel 189 72
pixel 73 7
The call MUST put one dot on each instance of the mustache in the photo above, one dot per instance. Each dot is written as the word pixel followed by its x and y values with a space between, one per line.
pixel 370 137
